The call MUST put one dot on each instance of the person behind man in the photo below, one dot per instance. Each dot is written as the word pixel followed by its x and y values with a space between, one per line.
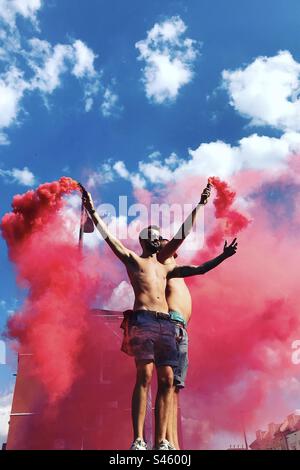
pixel 152 334
pixel 180 308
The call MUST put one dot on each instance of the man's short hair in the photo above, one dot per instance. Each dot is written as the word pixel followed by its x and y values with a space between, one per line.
pixel 144 233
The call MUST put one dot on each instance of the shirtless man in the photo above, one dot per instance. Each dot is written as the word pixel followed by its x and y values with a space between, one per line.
pixel 180 308
pixel 152 336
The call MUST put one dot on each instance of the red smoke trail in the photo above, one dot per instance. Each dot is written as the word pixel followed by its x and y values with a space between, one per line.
pixel 33 210
pixel 61 284
pixel 231 221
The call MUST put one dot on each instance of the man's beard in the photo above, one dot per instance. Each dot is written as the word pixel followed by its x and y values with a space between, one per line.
pixel 152 246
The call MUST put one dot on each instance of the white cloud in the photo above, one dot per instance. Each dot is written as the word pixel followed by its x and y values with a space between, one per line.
pixel 10 43
pixel 136 179
pixel 27 8
pixel 12 87
pixel 9 9
pixel 169 59
pixel 104 175
pixel 154 155
pixel 121 169
pixel 4 139
pixel 91 89
pixel 262 152
pixel 110 106
pixel 267 91
pixel 48 64
pixel 218 158
pixel 156 171
pixel 107 173
pixel 5 408
pixel 12 83
pixel 23 177
pixel 209 158
pixel 109 102
pixel 253 152
pixel 84 60
pixel 173 160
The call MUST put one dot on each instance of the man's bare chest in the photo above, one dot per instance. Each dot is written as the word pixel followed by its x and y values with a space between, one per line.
pixel 149 269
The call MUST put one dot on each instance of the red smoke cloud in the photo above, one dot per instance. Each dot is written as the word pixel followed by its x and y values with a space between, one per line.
pixel 244 321
pixel 245 315
pixel 61 283
pixel 63 379
pixel 32 211
pixel 230 221
pixel 245 312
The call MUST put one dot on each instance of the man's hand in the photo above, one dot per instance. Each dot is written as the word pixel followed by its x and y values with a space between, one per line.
pixel 116 245
pixel 87 199
pixel 205 194
pixel 230 249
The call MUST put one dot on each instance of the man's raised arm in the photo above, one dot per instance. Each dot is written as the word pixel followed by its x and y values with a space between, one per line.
pixel 116 245
pixel 187 271
pixel 172 246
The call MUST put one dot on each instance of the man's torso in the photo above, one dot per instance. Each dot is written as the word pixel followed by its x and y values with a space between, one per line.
pixel 179 298
pixel 177 293
pixel 148 278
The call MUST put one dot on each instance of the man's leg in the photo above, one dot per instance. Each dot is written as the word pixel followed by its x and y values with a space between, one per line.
pixel 163 403
pixel 170 434
pixel 179 379
pixel 172 428
pixel 144 372
pixel 175 440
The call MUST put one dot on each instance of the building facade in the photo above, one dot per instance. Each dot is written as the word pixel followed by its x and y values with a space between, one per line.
pixel 284 436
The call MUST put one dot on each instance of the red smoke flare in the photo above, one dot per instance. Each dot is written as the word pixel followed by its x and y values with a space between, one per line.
pixel 231 221
pixel 33 210
pixel 61 282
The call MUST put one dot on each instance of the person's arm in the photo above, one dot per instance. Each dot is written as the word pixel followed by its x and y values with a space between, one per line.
pixel 123 253
pixel 187 271
pixel 172 246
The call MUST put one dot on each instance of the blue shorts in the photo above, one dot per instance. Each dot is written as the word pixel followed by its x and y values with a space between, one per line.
pixel 183 361
pixel 149 338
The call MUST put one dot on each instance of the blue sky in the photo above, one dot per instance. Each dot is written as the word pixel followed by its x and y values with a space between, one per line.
pixel 51 132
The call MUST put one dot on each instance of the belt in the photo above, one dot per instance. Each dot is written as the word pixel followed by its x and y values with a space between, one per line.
pixel 162 315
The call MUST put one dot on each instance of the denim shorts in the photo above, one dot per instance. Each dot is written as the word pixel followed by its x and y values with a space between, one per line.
pixel 183 361
pixel 149 338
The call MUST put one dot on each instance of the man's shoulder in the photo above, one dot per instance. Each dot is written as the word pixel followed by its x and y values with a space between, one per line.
pixel 133 258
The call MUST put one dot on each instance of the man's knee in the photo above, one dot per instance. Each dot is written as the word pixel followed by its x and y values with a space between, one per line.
pixel 166 379
pixel 144 375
